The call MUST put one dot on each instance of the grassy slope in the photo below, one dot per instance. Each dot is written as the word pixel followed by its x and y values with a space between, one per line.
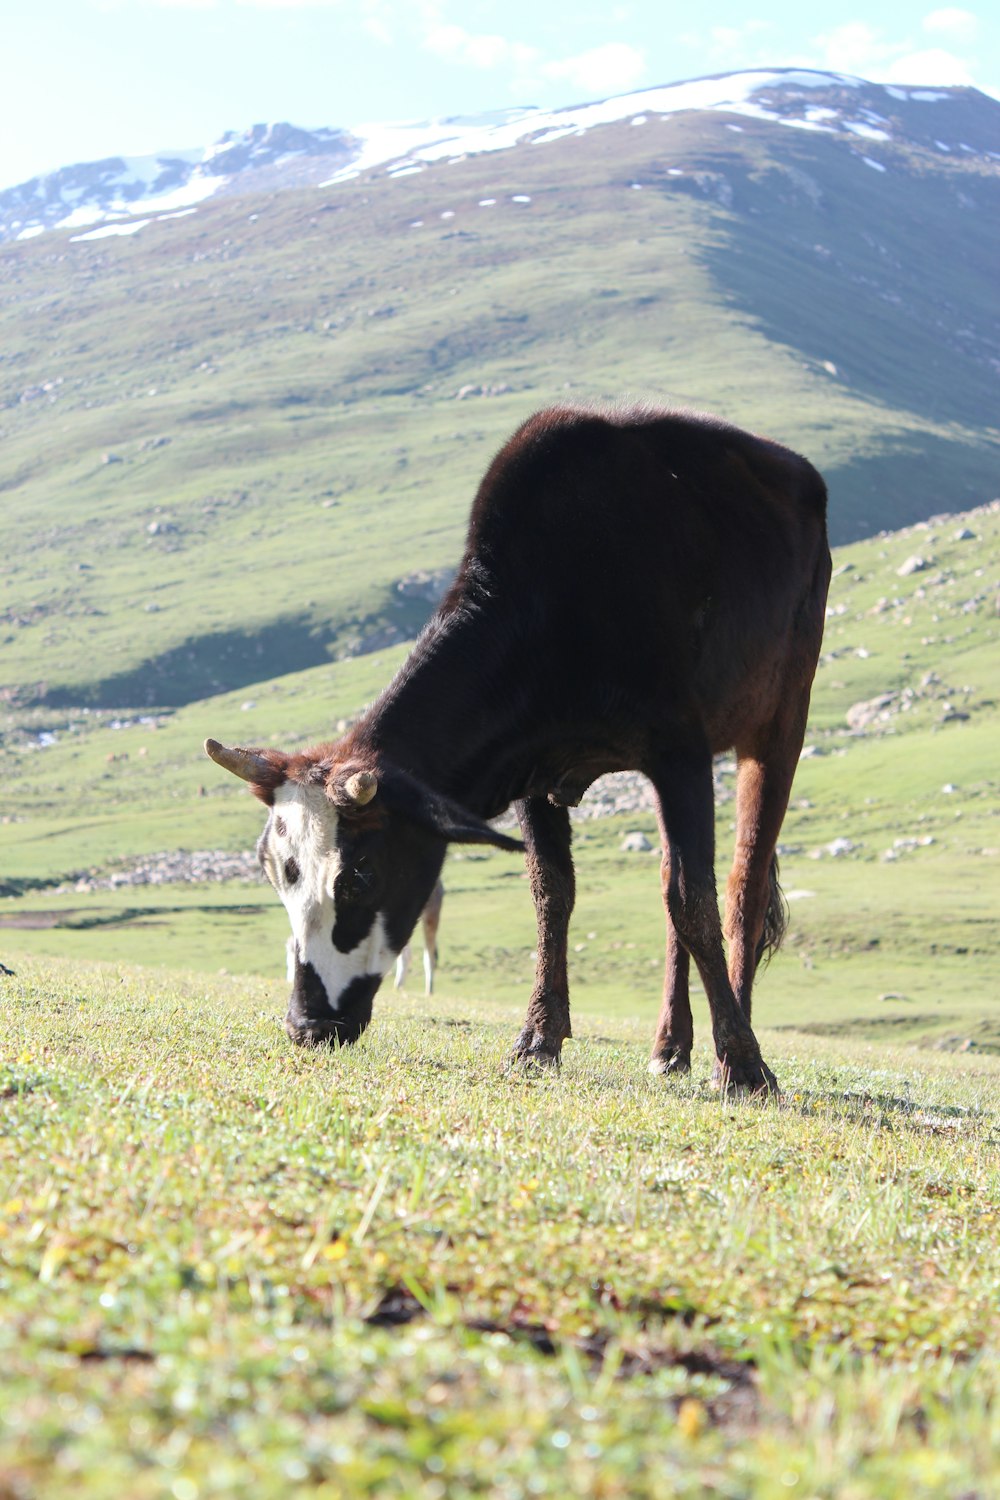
pixel 301 353
pixel 601 1283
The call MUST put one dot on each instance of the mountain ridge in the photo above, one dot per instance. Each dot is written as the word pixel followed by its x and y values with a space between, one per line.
pixel 280 156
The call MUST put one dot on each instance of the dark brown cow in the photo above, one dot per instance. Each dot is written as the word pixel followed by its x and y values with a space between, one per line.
pixel 640 589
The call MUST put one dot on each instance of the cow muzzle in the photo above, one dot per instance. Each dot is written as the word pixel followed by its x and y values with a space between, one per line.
pixel 311 1019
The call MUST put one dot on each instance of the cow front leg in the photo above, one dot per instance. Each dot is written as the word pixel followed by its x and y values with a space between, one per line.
pixel 547 836
pixel 684 786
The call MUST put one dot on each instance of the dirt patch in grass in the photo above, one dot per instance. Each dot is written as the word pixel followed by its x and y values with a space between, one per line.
pixel 736 1402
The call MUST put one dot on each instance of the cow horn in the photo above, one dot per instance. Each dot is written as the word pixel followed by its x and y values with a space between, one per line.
pixel 245 764
pixel 361 787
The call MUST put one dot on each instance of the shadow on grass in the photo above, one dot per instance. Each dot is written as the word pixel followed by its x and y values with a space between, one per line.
pixel 882 1110
pixel 72 919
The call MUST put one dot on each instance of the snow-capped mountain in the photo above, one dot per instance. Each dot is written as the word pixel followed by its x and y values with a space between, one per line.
pixel 119 188
pixel 122 194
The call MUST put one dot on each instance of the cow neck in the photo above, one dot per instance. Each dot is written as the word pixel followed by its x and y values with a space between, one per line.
pixel 449 715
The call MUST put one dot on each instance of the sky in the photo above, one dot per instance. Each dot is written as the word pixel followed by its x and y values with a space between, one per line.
pixel 85 79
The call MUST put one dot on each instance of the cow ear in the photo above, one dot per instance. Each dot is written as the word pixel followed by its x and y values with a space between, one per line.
pixel 429 809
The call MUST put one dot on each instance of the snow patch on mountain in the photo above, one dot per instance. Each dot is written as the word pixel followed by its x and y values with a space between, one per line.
pixel 396 146
pixel 123 187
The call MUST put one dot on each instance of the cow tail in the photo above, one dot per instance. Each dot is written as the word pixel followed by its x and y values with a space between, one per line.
pixel 775 918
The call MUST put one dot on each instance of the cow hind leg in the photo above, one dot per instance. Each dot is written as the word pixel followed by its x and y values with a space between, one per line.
pixel 431 919
pixel 547 837
pixel 755 910
pixel 402 968
pixel 675 1028
pixel 683 783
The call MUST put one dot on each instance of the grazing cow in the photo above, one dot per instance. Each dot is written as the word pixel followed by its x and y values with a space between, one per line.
pixel 430 921
pixel 640 589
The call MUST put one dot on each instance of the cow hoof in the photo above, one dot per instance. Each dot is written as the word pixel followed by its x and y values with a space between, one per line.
pixel 674 1061
pixel 533 1054
pixel 751 1078
pixel 530 1064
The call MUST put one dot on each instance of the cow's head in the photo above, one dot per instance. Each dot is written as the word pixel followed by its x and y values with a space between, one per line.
pixel 353 851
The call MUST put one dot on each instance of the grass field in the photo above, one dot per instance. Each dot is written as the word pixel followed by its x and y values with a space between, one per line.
pixel 228 1266
pixel 234 1267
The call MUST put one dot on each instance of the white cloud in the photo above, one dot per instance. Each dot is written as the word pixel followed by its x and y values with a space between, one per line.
pixel 611 69
pixel 854 47
pixel 114 5
pixel 932 66
pixel 455 44
pixel 375 16
pixel 958 25
pixel 118 5
pixel 735 39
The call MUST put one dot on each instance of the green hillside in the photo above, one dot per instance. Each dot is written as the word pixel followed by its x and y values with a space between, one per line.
pixel 224 440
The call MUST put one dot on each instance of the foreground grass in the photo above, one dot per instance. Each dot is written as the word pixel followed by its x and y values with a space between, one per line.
pixel 230 1266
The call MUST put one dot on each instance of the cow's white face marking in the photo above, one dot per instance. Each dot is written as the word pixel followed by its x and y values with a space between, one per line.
pixel 300 856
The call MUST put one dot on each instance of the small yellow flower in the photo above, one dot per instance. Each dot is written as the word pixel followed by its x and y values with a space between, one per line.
pixel 690 1417
pixel 14 1206
pixel 336 1251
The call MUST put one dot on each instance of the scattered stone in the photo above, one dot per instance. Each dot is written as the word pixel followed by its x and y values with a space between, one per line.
pixel 464 392
pixel 200 867
pixel 111 458
pixel 894 995
pixel 836 849
pixel 429 585
pixel 963 534
pixel 915 564
pixel 871 711
pixel 635 843
pixel 905 846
